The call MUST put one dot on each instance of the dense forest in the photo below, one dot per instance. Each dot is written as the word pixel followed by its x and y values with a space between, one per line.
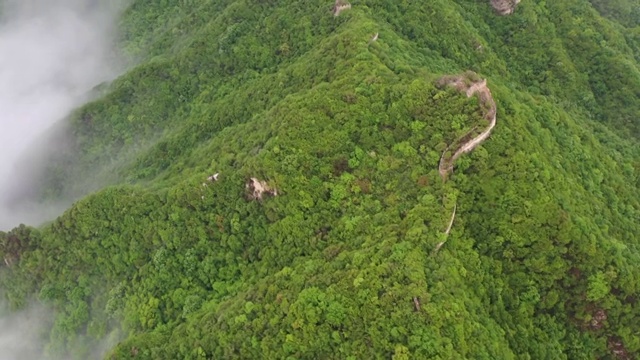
pixel 267 182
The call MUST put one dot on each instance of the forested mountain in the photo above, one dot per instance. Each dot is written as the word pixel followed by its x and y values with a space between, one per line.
pixel 281 179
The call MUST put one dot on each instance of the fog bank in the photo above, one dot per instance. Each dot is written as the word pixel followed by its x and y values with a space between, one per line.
pixel 21 333
pixel 52 52
pixel 24 335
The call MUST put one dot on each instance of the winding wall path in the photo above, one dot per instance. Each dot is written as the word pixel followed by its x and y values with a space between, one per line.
pixel 462 83
pixel 486 101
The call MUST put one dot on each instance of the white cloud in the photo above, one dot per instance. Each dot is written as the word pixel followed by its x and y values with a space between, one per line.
pixel 24 335
pixel 52 52
pixel 21 334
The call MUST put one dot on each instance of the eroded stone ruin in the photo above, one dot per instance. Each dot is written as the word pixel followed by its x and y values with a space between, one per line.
pixel 258 188
pixel 505 7
pixel 340 6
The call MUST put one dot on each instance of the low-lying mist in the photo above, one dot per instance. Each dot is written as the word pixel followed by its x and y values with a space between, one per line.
pixel 21 333
pixel 24 335
pixel 52 53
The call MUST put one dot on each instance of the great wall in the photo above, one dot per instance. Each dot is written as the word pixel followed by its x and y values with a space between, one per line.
pixel 471 85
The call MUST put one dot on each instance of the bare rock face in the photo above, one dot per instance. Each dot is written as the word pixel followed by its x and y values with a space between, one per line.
pixel 618 349
pixel 597 320
pixel 504 7
pixel 258 188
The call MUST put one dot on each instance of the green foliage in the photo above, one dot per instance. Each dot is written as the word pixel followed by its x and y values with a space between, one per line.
pixel 338 262
pixel 598 287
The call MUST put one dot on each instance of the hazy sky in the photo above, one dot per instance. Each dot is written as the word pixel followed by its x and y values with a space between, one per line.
pixel 52 52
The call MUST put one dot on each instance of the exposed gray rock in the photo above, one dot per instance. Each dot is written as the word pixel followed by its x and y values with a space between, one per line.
pixel 504 7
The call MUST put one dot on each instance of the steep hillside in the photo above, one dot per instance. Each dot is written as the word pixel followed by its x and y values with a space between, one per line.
pixel 401 217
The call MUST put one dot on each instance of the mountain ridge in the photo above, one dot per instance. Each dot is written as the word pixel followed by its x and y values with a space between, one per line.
pixel 351 134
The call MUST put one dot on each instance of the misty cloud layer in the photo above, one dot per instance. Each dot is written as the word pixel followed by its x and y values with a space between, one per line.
pixel 24 335
pixel 52 53
pixel 21 334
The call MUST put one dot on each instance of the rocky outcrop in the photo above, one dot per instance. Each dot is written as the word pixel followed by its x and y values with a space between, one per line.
pixel 258 188
pixel 597 319
pixel 618 349
pixel 504 7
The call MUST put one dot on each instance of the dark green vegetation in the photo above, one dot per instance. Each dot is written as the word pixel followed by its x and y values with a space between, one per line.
pixel 541 263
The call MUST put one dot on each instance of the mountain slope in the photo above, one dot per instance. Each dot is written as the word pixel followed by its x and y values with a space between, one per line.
pixel 541 259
